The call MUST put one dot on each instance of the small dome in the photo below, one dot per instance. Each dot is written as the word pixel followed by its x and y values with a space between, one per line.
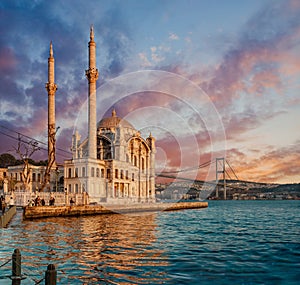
pixel 113 122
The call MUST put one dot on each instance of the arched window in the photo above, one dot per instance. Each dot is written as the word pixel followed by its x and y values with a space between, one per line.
pixel 69 172
pixel 97 172
pixel 104 148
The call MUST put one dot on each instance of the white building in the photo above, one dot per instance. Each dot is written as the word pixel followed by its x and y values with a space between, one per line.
pixel 14 180
pixel 114 164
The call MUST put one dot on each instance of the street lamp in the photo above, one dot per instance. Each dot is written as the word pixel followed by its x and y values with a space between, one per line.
pixel 57 173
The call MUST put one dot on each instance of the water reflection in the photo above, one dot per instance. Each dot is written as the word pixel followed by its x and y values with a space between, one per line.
pixel 106 249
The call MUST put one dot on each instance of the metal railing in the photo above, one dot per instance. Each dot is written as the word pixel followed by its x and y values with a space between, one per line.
pixel 50 276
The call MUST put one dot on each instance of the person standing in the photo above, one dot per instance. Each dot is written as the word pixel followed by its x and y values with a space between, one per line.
pixel 51 201
pixel 2 204
pixel 11 202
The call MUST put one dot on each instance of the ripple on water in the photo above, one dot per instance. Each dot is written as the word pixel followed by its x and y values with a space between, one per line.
pixel 230 242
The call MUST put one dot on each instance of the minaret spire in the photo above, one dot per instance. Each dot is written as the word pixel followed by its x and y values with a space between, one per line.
pixel 92 33
pixel 51 88
pixel 92 77
pixel 51 50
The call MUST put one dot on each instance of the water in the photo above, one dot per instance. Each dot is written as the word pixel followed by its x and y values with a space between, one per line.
pixel 230 242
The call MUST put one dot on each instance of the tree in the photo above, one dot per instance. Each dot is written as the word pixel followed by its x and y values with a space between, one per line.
pixel 6 159
pixel 25 149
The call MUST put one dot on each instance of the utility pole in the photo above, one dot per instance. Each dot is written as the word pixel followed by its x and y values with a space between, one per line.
pixel 220 171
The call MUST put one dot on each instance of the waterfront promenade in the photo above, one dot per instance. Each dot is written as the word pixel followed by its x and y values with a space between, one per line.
pixel 34 212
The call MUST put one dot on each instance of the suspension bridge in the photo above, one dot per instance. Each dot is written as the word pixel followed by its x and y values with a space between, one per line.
pixel 223 172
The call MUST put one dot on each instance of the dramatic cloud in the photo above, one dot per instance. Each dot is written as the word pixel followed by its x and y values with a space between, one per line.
pixel 254 65
pixel 249 69
pixel 272 166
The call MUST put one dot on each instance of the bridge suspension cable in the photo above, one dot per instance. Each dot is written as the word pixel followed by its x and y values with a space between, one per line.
pixel 205 164
pixel 232 170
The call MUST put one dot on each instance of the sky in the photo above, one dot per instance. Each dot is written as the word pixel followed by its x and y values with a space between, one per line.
pixel 207 78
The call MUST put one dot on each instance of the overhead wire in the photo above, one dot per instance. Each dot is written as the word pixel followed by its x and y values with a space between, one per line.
pixel 31 138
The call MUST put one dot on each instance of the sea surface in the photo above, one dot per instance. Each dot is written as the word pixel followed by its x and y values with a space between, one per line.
pixel 230 242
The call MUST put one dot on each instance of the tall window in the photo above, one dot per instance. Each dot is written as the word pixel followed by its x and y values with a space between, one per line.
pixel 135 161
pixel 93 172
pixel 97 172
pixel 143 164
pixel 122 174
pixel 83 171
pixel 132 176
pixel 108 174
pixel 76 172
pixel 102 173
pixel 69 172
pixel 116 173
pixel 33 177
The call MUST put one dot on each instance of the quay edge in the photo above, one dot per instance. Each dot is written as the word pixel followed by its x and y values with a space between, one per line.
pixel 8 215
pixel 35 212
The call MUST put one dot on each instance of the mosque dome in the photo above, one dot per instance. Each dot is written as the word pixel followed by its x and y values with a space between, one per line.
pixel 113 122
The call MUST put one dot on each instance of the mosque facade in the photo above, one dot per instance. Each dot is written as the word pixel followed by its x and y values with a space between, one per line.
pixel 114 164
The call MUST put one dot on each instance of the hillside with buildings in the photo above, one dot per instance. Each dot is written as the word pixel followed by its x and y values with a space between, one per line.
pixel 235 190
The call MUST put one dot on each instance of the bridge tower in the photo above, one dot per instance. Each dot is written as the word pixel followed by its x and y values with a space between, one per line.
pixel 220 169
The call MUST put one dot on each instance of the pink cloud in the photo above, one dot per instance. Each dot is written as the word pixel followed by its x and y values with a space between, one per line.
pixel 277 165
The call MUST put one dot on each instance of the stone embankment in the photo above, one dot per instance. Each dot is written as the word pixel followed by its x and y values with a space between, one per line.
pixel 65 211
pixel 8 215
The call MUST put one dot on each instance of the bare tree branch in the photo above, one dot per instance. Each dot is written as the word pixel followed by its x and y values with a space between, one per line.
pixel 25 149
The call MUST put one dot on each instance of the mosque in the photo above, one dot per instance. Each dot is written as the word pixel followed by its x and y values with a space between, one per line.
pixel 114 163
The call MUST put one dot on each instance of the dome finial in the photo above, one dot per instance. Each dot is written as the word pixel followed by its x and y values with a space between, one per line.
pixel 114 113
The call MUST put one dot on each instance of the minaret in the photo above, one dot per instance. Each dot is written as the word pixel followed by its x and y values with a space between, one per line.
pixel 92 76
pixel 51 89
pixel 151 142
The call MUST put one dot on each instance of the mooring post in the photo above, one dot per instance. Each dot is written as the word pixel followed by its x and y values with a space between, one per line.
pixel 50 275
pixel 16 267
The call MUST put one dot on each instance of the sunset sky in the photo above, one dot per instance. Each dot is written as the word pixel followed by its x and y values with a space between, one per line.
pixel 208 78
